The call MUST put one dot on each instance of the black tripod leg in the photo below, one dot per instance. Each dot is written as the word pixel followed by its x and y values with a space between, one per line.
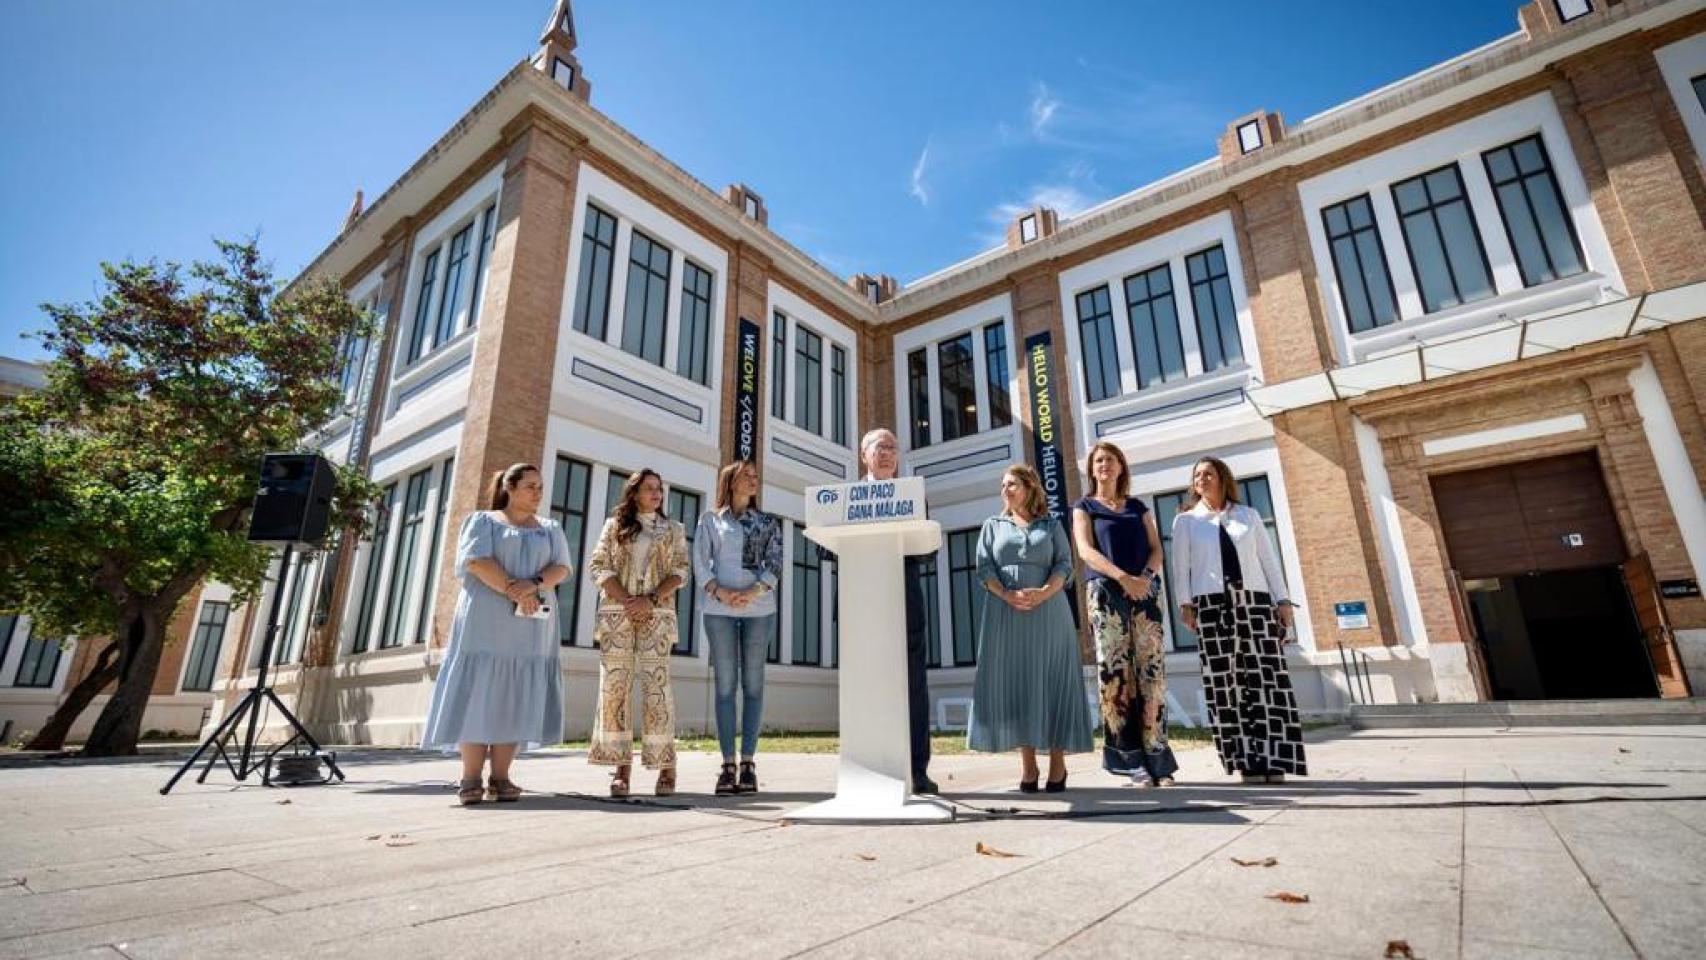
pixel 218 732
pixel 300 731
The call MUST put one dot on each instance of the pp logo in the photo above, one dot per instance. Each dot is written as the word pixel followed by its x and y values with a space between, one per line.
pixel 827 496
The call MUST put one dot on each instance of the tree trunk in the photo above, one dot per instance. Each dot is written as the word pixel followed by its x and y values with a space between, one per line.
pixel 120 724
pixel 105 671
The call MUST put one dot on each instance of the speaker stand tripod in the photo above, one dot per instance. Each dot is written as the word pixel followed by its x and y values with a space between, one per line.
pixel 261 694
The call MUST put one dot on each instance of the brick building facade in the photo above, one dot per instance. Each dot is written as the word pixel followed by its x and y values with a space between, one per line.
pixel 1449 335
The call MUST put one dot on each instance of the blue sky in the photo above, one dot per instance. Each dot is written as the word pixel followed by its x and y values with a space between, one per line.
pixel 889 137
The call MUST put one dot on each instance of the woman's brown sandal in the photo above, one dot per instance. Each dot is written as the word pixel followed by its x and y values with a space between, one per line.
pixel 503 791
pixel 666 782
pixel 470 792
pixel 619 782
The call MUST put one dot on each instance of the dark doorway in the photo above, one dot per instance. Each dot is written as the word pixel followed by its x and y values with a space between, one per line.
pixel 1560 635
pixel 1543 566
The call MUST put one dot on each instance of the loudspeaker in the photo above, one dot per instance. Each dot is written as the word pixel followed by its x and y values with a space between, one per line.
pixel 294 502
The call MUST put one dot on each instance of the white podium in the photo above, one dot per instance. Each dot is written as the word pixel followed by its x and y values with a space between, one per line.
pixel 874 781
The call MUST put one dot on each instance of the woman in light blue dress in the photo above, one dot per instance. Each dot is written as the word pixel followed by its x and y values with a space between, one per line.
pixel 1029 691
pixel 500 686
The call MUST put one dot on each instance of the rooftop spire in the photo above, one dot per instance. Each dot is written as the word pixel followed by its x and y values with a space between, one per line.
pixel 556 56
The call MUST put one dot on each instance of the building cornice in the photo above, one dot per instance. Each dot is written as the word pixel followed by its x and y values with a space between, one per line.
pixel 1499 64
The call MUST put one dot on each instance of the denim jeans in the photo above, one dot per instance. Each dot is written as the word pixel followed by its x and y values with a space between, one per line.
pixel 738 647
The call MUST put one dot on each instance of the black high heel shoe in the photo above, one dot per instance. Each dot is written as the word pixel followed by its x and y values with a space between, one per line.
pixel 1028 786
pixel 1056 786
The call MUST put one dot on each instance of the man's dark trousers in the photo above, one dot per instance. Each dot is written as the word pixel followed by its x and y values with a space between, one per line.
pixel 917 680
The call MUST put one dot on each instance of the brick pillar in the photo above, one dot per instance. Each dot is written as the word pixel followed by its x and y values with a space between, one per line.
pixel 1424 544
pixel 515 349
pixel 749 297
pixel 1036 309
pixel 1330 521
pixel 1625 112
pixel 1291 331
pixel 878 405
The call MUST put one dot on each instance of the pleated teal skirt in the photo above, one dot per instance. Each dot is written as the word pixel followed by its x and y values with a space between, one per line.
pixel 1030 688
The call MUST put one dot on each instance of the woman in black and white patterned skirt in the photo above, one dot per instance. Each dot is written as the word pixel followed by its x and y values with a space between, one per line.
pixel 1232 592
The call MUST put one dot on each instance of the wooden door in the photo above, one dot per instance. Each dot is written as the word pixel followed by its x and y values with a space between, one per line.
pixel 1538 515
pixel 1656 633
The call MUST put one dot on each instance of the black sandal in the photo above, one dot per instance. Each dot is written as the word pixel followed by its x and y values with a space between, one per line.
pixel 748 782
pixel 726 781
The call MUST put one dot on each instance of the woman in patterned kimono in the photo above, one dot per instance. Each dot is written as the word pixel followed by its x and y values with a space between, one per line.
pixel 1232 592
pixel 1121 549
pixel 640 561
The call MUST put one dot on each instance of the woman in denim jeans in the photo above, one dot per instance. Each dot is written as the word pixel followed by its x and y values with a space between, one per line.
pixel 737 556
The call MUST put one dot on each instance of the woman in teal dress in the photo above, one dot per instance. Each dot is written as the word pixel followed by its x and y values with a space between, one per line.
pixel 1029 691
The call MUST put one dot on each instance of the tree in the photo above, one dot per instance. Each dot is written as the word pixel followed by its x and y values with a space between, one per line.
pixel 127 479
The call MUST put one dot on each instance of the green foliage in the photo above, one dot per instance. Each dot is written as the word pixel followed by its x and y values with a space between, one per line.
pixel 128 478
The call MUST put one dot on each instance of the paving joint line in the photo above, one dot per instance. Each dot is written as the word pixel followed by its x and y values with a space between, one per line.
pixel 1160 883
pixel 948 896
pixel 1592 883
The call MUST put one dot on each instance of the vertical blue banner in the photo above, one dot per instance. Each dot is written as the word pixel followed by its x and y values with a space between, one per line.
pixel 746 392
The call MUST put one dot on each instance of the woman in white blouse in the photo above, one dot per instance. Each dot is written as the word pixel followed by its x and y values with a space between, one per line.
pixel 1231 593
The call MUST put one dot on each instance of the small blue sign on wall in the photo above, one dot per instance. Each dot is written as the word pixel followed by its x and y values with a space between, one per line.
pixel 1352 615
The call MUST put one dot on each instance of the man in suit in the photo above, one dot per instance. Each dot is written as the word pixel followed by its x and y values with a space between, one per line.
pixel 880 452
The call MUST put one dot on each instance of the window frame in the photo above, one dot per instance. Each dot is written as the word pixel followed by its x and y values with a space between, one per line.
pixel 1148 301
pixel 963 585
pixel 394 624
pixel 592 246
pixel 1220 324
pixel 373 574
pixel 568 592
pixel 1432 210
pixel 693 331
pixel 918 395
pixel 1103 319
pixel 206 632
pixel 951 410
pixel 1523 181
pixel 996 357
pixel 1353 234
pixel 637 340
pixel 808 379
pixel 805 613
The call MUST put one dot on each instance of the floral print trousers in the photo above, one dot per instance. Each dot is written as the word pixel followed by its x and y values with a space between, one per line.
pixel 623 651
pixel 1133 682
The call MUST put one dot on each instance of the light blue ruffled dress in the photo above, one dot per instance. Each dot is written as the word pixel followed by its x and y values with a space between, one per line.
pixel 500 682
pixel 1029 690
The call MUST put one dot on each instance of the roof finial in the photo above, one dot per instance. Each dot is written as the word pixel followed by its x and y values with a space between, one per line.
pixel 354 214
pixel 556 56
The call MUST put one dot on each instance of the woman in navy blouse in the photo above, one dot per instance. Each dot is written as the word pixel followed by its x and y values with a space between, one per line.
pixel 1121 547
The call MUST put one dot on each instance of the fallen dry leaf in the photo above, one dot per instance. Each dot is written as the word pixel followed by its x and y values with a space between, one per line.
pixel 375 836
pixel 1264 862
pixel 399 840
pixel 1622 749
pixel 1286 896
pixel 865 856
pixel 282 802
pixel 1399 950
pixel 990 851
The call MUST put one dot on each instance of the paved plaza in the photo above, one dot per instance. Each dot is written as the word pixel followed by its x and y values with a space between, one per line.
pixel 1507 844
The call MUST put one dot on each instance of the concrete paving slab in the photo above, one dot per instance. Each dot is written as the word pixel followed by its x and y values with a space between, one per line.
pixel 1511 843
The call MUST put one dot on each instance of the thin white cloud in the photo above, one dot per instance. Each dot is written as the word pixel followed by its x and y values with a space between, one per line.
pixel 1043 106
pixel 1065 199
pixel 921 189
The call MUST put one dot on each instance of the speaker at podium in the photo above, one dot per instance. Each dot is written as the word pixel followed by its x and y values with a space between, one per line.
pixel 871 525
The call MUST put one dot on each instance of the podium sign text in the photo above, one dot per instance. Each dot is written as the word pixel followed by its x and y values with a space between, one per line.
pixel 865 501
